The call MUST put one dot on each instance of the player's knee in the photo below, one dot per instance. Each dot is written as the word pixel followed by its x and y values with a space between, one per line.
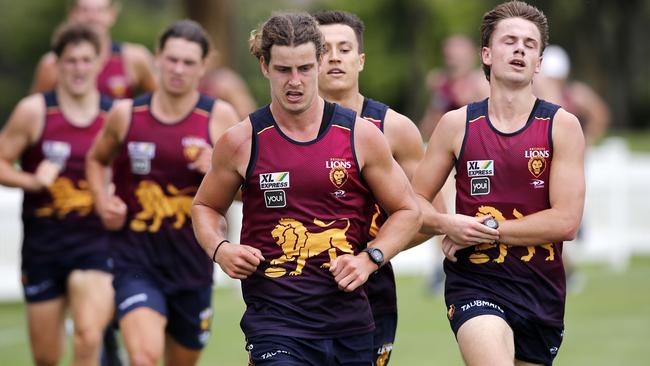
pixel 144 358
pixel 46 358
pixel 87 339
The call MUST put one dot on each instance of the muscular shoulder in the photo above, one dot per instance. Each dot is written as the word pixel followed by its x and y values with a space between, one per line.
pixel 453 122
pixel 29 114
pixel 48 60
pixel 223 117
pixel 119 118
pixel 233 148
pixel 369 142
pixel 404 140
pixel 225 113
pixel 23 127
pixel 450 130
pixel 399 129
pixel 566 129
pixel 136 53
pixel 31 106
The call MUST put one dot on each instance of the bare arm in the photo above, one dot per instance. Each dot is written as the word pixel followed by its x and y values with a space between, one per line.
pixel 110 208
pixel 140 63
pixel 21 131
pixel 404 140
pixel 216 193
pixel 431 175
pixel 406 145
pixel 232 88
pixel 567 191
pixel 393 192
pixel 592 107
pixel 45 74
pixel 223 117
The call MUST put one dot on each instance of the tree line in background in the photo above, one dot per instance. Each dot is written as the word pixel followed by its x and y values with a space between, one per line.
pixel 606 40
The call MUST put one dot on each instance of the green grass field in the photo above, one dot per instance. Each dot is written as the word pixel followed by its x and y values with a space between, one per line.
pixel 608 323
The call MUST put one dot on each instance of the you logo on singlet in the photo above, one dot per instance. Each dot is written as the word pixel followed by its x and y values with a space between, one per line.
pixel 141 154
pixel 273 184
pixel 57 152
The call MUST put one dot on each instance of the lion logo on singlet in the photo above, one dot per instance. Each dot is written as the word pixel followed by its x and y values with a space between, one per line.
pixel 536 166
pixel 383 354
pixel 298 244
pixel 156 206
pixel 67 198
pixel 478 257
pixel 374 227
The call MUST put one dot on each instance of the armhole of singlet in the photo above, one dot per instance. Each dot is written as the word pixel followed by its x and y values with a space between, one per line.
pixel 212 105
pixel 461 151
pixel 327 120
pixel 550 132
pixel 252 160
pixel 354 152
pixel 128 127
pixel 39 134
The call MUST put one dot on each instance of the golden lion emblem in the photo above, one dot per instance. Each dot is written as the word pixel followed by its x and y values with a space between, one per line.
pixel 298 244
pixel 66 198
pixel 479 258
pixel 157 206
pixel 536 166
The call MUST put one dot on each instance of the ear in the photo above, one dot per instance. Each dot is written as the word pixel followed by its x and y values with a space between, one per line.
pixel 362 61
pixel 264 67
pixel 486 56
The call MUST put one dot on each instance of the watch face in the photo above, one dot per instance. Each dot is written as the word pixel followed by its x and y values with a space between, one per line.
pixel 491 223
pixel 376 255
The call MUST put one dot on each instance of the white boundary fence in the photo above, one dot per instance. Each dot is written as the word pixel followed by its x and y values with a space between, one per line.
pixel 616 220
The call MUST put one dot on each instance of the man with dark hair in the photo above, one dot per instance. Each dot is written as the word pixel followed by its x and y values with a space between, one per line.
pixel 520 193
pixel 160 145
pixel 126 66
pixel 338 82
pixel 65 256
pixel 308 171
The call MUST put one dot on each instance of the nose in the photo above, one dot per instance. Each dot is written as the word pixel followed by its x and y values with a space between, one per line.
pixel 519 48
pixel 334 55
pixel 295 78
pixel 178 67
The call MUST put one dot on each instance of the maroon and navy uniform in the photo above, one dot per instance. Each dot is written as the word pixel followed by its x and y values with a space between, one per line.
pixel 506 175
pixel 381 285
pixel 61 231
pixel 113 80
pixel 305 203
pixel 158 262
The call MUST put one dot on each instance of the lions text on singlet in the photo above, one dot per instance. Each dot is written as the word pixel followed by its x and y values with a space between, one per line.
pixel 113 80
pixel 305 203
pixel 62 218
pixel 153 177
pixel 381 285
pixel 507 176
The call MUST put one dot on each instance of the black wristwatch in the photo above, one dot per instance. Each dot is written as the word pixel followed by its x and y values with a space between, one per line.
pixel 376 256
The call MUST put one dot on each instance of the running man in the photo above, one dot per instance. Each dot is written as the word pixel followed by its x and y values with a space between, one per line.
pixel 520 193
